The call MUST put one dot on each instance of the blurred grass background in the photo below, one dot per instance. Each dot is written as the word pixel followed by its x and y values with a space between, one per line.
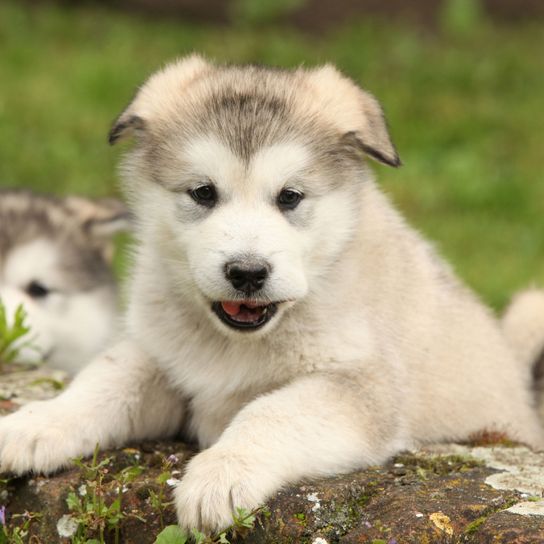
pixel 464 101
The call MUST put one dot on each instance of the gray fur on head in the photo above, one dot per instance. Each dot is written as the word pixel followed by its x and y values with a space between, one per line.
pixel 253 106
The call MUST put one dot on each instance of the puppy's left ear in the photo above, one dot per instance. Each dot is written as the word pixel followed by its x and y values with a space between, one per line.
pixel 101 219
pixel 356 112
pixel 157 98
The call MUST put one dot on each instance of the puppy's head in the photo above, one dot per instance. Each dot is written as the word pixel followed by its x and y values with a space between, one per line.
pixel 55 261
pixel 248 180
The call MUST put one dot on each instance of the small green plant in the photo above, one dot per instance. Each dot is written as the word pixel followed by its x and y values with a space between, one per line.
pixel 18 532
pixel 159 499
pixel 11 334
pixel 242 522
pixel 173 534
pixel 96 509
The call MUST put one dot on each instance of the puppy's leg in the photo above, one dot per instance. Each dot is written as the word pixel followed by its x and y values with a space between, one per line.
pixel 119 397
pixel 319 425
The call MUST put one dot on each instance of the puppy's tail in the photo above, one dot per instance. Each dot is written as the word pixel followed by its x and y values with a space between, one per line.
pixel 523 327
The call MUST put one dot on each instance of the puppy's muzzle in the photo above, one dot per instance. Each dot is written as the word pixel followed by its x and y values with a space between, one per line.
pixel 247 277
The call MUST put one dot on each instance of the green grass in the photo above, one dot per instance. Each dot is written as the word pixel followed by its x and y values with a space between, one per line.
pixel 12 330
pixel 465 109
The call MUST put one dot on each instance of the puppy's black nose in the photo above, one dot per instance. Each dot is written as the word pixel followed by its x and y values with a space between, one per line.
pixel 247 276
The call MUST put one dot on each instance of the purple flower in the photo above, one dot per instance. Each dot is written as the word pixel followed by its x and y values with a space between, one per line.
pixel 172 459
pixel 392 541
pixel 2 515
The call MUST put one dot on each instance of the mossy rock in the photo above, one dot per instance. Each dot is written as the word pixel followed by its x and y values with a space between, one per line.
pixel 418 498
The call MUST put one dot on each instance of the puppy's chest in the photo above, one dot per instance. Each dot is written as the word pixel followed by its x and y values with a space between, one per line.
pixel 216 371
pixel 218 392
pixel 224 370
pixel 217 388
pixel 210 414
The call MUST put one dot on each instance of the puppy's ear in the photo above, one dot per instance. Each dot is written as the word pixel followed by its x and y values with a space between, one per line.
pixel 157 97
pixel 124 126
pixel 102 219
pixel 357 114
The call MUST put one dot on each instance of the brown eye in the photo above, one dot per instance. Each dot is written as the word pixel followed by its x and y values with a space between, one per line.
pixel 289 199
pixel 37 290
pixel 205 195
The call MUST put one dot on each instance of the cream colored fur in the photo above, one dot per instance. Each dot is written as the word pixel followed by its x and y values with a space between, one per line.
pixel 375 347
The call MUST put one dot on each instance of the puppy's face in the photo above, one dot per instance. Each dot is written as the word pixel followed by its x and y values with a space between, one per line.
pixel 53 262
pixel 250 191
pixel 255 233
pixel 66 319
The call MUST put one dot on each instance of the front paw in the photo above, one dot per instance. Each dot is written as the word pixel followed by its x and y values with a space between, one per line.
pixel 216 483
pixel 40 437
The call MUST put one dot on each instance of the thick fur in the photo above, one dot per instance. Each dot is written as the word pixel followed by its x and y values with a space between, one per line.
pixel 375 346
pixel 64 247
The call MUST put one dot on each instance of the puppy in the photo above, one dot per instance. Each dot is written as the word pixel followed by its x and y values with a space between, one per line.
pixel 55 258
pixel 280 309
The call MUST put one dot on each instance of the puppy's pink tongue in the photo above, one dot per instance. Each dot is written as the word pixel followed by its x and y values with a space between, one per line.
pixel 231 308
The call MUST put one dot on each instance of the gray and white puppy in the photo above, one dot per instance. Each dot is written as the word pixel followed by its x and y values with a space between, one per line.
pixel 55 258
pixel 281 310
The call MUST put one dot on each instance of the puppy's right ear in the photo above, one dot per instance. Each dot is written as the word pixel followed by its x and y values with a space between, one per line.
pixel 157 98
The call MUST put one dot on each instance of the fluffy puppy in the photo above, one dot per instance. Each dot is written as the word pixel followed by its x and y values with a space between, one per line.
pixel 281 310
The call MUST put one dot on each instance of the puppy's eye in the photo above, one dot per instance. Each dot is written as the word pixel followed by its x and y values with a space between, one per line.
pixel 205 195
pixel 36 289
pixel 289 199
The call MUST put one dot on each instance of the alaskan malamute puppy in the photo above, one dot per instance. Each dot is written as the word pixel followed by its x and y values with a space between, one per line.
pixel 55 260
pixel 281 310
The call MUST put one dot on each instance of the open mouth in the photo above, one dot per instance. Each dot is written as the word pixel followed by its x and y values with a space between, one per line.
pixel 244 315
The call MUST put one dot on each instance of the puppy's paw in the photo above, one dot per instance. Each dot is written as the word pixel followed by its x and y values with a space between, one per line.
pixel 40 437
pixel 216 483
